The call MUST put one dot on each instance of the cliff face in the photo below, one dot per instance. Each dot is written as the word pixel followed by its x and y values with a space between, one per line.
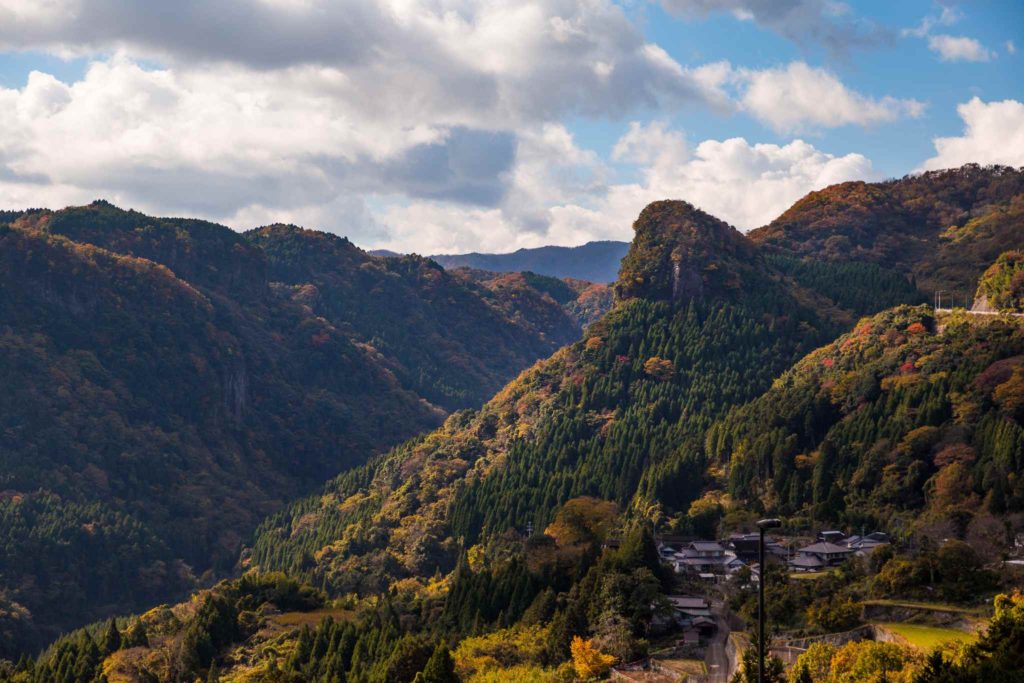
pixel 679 253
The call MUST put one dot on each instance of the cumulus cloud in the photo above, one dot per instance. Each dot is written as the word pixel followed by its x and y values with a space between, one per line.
pixel 828 22
pixel 949 48
pixel 745 184
pixel 506 60
pixel 265 109
pixel 404 123
pixel 959 49
pixel 993 134
pixel 798 96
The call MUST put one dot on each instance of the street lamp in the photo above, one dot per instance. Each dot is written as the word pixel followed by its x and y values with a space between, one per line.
pixel 761 526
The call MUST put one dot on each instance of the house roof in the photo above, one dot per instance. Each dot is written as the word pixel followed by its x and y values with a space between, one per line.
pixel 706 545
pixel 685 601
pixel 825 548
pixel 806 562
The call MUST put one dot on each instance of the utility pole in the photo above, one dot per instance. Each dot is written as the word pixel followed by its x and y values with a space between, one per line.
pixel 761 526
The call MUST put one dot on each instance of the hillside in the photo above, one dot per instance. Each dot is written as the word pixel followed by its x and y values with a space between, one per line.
pixel 593 261
pixel 702 399
pixel 445 337
pixel 908 421
pixel 702 324
pixel 170 382
pixel 940 228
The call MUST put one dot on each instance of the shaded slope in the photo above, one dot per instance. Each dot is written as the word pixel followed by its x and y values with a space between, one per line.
pixel 164 390
pixel 446 338
pixel 161 409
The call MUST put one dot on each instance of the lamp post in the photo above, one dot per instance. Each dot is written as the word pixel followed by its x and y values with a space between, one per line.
pixel 761 526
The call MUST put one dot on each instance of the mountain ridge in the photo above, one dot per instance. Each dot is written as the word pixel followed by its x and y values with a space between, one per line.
pixel 596 261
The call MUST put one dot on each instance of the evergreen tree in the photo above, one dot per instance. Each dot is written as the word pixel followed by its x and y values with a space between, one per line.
pixel 440 667
pixel 111 638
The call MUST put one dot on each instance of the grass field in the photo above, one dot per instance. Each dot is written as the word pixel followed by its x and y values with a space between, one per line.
pixel 926 638
pixel 807 576
pixel 937 606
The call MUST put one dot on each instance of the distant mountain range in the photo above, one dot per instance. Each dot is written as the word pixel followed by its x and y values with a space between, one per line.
pixel 593 261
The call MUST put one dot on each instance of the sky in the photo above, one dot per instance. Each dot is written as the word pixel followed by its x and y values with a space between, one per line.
pixel 446 126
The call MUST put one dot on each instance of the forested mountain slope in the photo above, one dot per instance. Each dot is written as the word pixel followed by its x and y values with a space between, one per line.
pixel 703 323
pixel 448 338
pixel 907 421
pixel 941 228
pixel 167 383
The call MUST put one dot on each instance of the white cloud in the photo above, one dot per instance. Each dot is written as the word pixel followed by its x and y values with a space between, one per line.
pixel 745 184
pixel 742 183
pixel 1011 48
pixel 506 60
pixel 993 134
pixel 959 49
pixel 796 96
pixel 305 106
pixel 947 17
pixel 416 124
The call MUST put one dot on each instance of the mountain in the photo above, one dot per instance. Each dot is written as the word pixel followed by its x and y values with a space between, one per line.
pixel 703 323
pixel 716 390
pixel 940 228
pixel 452 340
pixel 169 382
pixel 910 419
pixel 593 261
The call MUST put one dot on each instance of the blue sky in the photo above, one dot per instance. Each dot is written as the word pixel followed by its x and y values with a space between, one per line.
pixel 454 125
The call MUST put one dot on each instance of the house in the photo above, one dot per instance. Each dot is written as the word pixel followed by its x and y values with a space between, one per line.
pixel 819 555
pixel 705 557
pixel 693 615
pixel 865 545
pixel 807 563
pixel 831 536
pixel 745 547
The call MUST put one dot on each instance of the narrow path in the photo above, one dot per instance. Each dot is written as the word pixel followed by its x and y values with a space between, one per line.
pixel 715 657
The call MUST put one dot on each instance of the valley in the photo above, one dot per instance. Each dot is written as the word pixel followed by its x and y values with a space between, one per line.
pixel 527 477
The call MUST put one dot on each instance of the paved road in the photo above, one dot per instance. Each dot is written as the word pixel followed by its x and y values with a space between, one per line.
pixel 715 658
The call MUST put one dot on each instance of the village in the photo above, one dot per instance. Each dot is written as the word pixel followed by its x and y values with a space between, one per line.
pixel 702 637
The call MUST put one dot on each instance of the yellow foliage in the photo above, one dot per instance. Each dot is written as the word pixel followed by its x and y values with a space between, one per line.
pixel 659 368
pixel 476 557
pixel 872 662
pixel 501 650
pixel 707 502
pixel 523 673
pixel 582 518
pixel 588 661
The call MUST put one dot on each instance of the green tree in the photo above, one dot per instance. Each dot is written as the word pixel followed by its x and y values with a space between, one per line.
pixel 111 638
pixel 440 667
